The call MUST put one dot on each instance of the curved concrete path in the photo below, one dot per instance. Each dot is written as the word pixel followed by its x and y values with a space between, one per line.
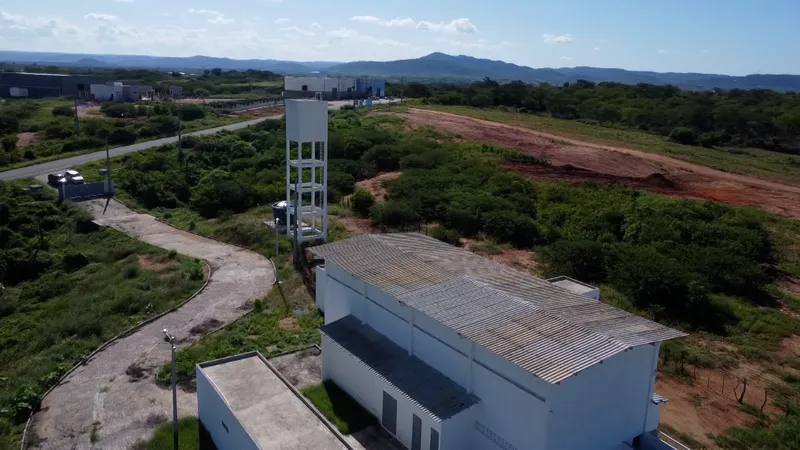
pixel 99 406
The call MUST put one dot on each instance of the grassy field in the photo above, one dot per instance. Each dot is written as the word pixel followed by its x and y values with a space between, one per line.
pixel 763 164
pixel 51 148
pixel 192 436
pixel 348 416
pixel 90 284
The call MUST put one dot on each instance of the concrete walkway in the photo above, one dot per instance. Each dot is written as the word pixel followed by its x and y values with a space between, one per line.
pixel 113 402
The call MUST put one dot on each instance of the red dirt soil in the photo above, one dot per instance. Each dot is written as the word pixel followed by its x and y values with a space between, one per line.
pixel 577 161
pixel 28 138
pixel 375 184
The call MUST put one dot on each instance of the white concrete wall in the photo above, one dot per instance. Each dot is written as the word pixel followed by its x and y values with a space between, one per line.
pixel 605 404
pixel 321 279
pixel 459 433
pixel 313 84
pixel 367 389
pixel 653 413
pixel 213 412
pixel 104 92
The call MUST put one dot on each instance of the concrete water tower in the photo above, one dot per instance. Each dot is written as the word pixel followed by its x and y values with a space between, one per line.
pixel 307 169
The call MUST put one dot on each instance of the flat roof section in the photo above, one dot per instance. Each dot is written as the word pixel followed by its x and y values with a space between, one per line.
pixel 267 408
pixel 572 285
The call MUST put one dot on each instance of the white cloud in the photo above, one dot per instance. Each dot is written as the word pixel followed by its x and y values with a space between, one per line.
pixel 557 39
pixel 661 51
pixel 565 58
pixel 597 49
pixel 454 45
pixel 282 20
pixel 366 19
pixel 207 12
pixel 103 17
pixel 462 25
pixel 316 25
pixel 124 1
pixel 346 35
pixel 220 20
pixel 298 30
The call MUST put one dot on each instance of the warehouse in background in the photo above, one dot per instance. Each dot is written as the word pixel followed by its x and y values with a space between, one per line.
pixel 333 88
pixel 41 85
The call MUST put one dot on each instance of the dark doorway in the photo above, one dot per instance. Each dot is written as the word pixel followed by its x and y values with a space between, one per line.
pixel 416 433
pixel 389 417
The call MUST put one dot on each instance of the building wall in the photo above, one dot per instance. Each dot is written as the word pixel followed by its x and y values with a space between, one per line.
pixel 367 389
pixel 49 85
pixel 609 401
pixel 104 92
pixel 213 412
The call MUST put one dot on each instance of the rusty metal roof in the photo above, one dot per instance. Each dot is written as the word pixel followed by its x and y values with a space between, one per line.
pixel 433 392
pixel 541 327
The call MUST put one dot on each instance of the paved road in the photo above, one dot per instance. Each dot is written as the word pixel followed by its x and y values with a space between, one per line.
pixel 100 406
pixel 68 163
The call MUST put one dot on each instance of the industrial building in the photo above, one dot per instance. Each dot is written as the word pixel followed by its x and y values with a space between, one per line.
pixel 40 85
pixel 120 91
pixel 332 88
pixel 451 351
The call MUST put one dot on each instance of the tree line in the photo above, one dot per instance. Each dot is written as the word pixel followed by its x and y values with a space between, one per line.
pixel 741 118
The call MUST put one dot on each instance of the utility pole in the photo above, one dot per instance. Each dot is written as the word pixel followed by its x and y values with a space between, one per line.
pixel 171 340
pixel 77 121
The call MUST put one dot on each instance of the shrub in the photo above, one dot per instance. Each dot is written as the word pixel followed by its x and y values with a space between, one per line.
pixel 29 154
pixel 394 214
pixel 118 110
pixel 361 201
pixel 9 142
pixel 355 148
pixel 443 234
pixel 191 112
pixel 512 227
pixel 8 124
pixel 63 110
pixel 122 136
pixel 582 260
pixel 80 143
pixel 683 135
pixel 57 130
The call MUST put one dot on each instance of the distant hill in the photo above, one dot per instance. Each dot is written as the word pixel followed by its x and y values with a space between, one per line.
pixel 436 66
pixel 160 62
pixel 442 66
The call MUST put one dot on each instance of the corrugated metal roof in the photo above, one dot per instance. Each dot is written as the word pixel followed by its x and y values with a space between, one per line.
pixel 546 329
pixel 426 387
pixel 659 399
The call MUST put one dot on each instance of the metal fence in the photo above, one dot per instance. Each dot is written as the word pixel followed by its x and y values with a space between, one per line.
pixel 86 190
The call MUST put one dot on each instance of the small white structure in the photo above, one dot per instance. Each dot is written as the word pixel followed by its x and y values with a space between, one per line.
pixel 307 151
pixel 112 91
pixel 452 351
pixel 587 290
pixel 18 92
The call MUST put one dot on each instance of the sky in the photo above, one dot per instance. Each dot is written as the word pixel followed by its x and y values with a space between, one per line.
pixel 712 36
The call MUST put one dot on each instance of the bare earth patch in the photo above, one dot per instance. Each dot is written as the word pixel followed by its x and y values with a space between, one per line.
pixel 577 161
pixel 289 324
pixel 90 110
pixel 302 369
pixel 28 138
pixel 375 184
pixel 519 259
pixel 152 263
pixel 357 225
pixel 261 112
pixel 205 327
pixel 789 347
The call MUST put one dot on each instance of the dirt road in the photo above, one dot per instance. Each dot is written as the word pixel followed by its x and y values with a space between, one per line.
pixel 113 402
pixel 575 161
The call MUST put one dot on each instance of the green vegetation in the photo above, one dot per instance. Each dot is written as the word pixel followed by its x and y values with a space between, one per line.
pixel 52 122
pixel 765 164
pixel 702 266
pixel 193 436
pixel 747 118
pixel 348 416
pixel 67 287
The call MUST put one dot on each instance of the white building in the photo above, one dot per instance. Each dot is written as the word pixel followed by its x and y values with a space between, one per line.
pixel 329 87
pixel 453 351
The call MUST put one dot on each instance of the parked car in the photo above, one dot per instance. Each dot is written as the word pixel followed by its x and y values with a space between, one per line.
pixel 67 177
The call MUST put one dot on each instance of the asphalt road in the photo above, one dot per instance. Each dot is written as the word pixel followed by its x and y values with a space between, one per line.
pixel 68 163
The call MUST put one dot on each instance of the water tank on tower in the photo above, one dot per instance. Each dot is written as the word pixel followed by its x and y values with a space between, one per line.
pixel 307 169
